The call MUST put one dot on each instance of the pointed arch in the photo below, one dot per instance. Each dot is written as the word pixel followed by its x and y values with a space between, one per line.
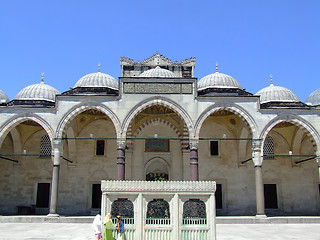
pixel 158 101
pixel 17 119
pixel 295 120
pixel 76 110
pixel 229 106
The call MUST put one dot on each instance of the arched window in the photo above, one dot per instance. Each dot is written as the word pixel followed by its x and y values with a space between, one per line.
pixel 45 146
pixel 158 212
pixel 194 212
pixel 124 208
pixel 268 148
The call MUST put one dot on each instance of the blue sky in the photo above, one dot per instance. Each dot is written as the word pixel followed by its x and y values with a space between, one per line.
pixel 250 39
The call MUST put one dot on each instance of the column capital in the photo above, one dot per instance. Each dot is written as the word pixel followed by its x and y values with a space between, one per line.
pixel 256 144
pixel 121 143
pixel 193 143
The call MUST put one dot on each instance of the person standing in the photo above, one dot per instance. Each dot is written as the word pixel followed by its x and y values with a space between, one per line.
pixel 96 225
pixel 120 228
pixel 107 222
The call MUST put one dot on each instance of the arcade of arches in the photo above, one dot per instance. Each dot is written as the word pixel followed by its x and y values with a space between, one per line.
pixel 264 159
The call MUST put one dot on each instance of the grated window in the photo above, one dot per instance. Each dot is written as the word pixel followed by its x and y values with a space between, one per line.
pixel 45 146
pixel 268 148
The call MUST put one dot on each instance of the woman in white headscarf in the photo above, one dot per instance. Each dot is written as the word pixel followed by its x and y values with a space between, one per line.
pixel 107 222
pixel 96 225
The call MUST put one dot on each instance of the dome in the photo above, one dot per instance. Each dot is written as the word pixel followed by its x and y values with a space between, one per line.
pixel 3 97
pixel 218 80
pixel 158 72
pixel 314 98
pixel 97 79
pixel 40 91
pixel 276 94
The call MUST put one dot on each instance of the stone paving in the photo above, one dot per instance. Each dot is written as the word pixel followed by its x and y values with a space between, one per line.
pixel 79 231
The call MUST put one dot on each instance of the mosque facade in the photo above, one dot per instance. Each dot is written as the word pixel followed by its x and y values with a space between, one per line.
pixel 158 122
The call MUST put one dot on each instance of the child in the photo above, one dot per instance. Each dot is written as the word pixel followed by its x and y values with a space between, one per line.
pixel 120 228
pixel 96 225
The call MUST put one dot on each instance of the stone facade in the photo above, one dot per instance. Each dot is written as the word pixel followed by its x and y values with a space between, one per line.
pixel 145 109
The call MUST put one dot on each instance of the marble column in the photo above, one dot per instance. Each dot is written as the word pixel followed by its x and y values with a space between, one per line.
pixel 194 164
pixel 121 160
pixel 318 161
pixel 56 153
pixel 257 160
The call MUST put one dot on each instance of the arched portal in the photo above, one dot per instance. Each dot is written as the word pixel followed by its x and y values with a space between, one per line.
pixel 25 161
pixel 290 174
pixel 157 132
pixel 225 140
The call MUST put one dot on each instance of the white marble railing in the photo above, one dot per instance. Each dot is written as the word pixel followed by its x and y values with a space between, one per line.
pixel 158 221
pixel 194 221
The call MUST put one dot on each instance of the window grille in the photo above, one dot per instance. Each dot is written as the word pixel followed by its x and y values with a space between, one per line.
pixel 158 212
pixel 194 212
pixel 268 148
pixel 45 146
pixel 124 208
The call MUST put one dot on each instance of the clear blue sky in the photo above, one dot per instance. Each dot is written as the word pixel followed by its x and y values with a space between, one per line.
pixel 250 39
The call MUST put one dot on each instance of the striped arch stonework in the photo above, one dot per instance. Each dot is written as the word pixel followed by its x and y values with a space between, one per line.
pixel 157 101
pixel 14 121
pixel 62 127
pixel 299 122
pixel 232 108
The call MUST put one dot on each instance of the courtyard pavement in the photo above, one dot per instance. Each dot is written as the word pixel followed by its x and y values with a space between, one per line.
pixel 79 231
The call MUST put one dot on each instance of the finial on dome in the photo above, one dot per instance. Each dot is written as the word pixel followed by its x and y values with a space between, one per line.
pixel 99 65
pixel 271 79
pixel 216 66
pixel 42 78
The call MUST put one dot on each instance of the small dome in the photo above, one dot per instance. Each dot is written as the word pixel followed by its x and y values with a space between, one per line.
pixel 314 98
pixel 97 80
pixel 158 72
pixel 40 91
pixel 3 97
pixel 218 80
pixel 276 94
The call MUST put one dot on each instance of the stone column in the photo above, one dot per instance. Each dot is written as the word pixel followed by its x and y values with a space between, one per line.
pixel 194 168
pixel 121 159
pixel 56 153
pixel 257 160
pixel 318 161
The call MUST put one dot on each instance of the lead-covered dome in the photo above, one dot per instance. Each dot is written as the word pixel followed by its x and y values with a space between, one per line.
pixel 158 72
pixel 3 97
pixel 40 91
pixel 218 80
pixel 276 94
pixel 314 98
pixel 97 79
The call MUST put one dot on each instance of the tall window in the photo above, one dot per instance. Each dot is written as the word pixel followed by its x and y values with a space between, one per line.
pixel 45 146
pixel 214 148
pixel 268 148
pixel 100 147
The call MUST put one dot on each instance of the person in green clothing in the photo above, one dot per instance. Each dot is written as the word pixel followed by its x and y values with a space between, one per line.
pixel 107 223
